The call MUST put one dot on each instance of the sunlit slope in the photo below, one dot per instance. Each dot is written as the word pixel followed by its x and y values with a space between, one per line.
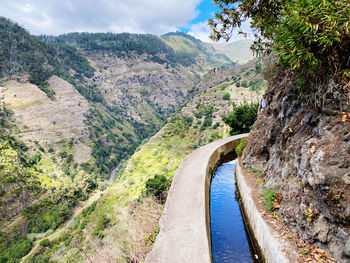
pixel 238 51
pixel 188 46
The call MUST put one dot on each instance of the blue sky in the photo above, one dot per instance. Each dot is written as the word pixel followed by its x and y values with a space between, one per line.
pixel 53 17
pixel 206 10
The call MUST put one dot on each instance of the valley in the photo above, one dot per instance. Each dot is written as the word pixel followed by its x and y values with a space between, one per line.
pixel 106 137
pixel 72 122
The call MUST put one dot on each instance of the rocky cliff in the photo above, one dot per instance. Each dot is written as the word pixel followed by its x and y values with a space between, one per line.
pixel 304 154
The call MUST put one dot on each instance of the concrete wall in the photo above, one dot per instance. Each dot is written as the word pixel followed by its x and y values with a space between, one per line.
pixel 185 223
pixel 271 248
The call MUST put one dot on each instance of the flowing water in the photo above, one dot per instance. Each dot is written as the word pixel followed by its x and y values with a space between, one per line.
pixel 230 240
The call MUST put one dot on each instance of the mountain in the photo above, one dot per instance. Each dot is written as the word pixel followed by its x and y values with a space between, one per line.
pixel 76 107
pixel 238 51
pixel 122 225
pixel 188 46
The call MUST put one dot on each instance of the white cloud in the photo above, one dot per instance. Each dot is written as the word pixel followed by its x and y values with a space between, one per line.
pixel 136 16
pixel 202 31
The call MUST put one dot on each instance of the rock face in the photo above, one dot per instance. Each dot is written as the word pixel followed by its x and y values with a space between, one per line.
pixel 305 155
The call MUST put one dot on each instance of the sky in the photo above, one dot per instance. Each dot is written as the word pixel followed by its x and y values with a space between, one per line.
pixel 54 17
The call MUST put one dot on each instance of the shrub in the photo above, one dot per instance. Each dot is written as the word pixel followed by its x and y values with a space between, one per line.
pixel 239 148
pixel 157 186
pixel 45 242
pixel 208 120
pixel 311 38
pixel 244 84
pixel 69 158
pixel 241 118
pixel 63 154
pixel 269 196
pixel 226 96
pixel 258 68
pixel 216 125
pixel 238 84
pixel 18 249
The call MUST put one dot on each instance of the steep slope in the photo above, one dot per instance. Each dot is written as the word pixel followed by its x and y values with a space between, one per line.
pixel 122 225
pixel 238 51
pixel 304 155
pixel 80 105
pixel 187 46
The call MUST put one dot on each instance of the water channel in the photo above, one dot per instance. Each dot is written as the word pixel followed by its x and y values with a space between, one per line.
pixel 230 239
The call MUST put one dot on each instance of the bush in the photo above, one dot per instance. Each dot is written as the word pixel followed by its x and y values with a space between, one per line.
pixel 258 68
pixel 226 96
pixel 269 196
pixel 238 84
pixel 244 84
pixel 18 249
pixel 63 154
pixel 257 84
pixel 241 118
pixel 157 186
pixel 309 37
pixel 239 148
pixel 45 242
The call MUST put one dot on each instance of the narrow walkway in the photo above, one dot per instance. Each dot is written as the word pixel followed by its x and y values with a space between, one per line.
pixel 184 225
pixel 77 210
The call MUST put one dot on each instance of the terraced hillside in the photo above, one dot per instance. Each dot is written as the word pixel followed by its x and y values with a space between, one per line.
pixel 76 107
pixel 122 225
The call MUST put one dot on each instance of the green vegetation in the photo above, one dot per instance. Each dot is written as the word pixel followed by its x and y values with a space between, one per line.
pixel 49 182
pixel 45 242
pixel 23 178
pixel 237 51
pixel 269 196
pixel 241 118
pixel 28 55
pixel 309 38
pixel 256 171
pixel 187 48
pixel 157 186
pixel 239 148
pixel 244 84
pixel 17 249
pixel 257 84
pixel 226 96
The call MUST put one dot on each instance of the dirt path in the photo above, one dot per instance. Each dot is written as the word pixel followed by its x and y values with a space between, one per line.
pixel 77 210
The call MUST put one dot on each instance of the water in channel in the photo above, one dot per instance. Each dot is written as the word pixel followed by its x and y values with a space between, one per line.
pixel 230 242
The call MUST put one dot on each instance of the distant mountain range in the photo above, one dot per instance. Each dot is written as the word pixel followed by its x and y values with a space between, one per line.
pixel 238 51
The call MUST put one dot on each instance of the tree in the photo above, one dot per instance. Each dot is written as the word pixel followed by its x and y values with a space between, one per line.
pixel 226 96
pixel 157 186
pixel 241 118
pixel 310 37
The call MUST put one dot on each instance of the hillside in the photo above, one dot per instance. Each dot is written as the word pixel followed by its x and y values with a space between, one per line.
pixel 238 51
pixel 77 106
pixel 122 225
pixel 188 46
